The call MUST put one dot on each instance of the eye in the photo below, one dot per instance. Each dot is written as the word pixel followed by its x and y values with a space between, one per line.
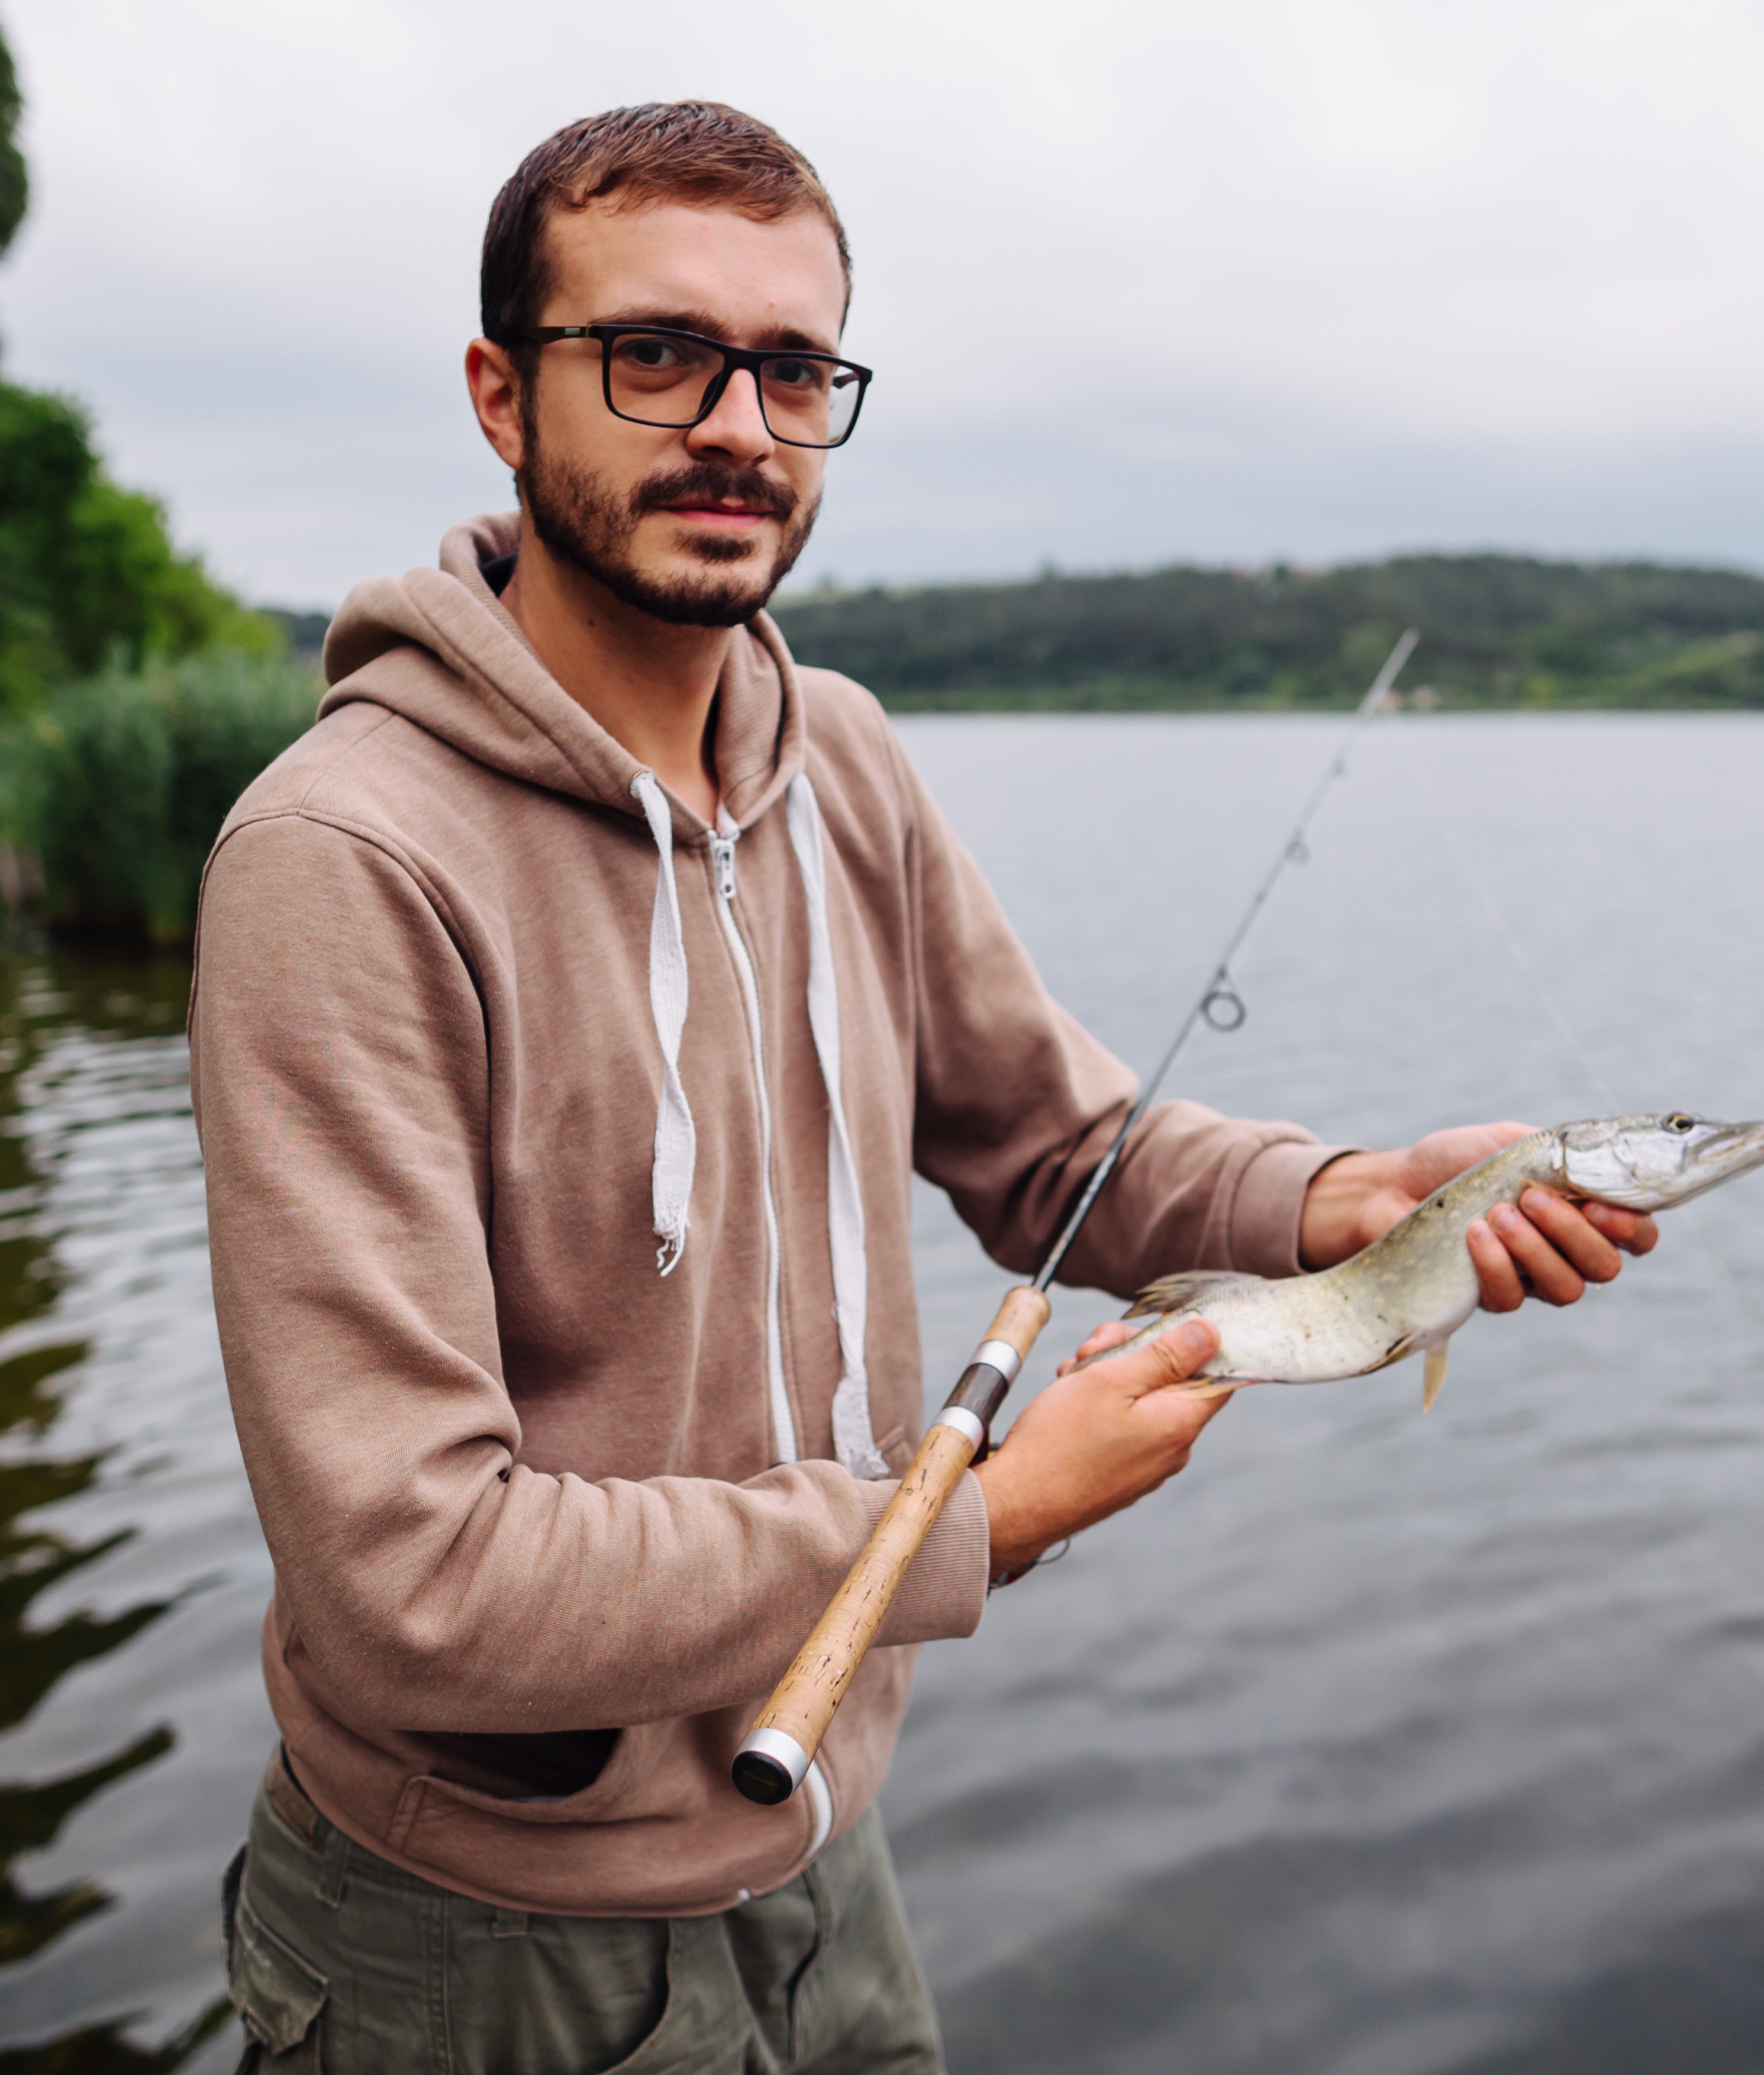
pixel 1679 1122
pixel 796 374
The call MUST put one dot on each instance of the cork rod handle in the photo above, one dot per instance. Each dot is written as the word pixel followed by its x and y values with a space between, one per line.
pixel 781 1745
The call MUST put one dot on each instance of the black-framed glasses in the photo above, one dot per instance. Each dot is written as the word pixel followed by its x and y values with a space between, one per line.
pixel 655 375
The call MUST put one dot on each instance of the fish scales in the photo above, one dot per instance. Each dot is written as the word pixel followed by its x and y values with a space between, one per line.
pixel 1409 1291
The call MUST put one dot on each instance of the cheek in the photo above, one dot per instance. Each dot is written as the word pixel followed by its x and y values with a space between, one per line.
pixel 804 470
pixel 578 432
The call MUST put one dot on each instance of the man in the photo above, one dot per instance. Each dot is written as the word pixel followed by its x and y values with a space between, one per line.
pixel 572 1003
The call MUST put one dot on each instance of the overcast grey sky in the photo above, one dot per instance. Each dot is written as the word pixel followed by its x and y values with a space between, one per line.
pixel 1258 278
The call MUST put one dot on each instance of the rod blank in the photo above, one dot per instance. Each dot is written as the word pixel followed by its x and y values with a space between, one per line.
pixel 777 1751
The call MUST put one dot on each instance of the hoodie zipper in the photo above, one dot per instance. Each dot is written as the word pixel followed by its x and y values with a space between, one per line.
pixel 723 857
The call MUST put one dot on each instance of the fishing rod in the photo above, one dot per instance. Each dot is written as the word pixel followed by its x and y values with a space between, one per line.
pixel 775 1755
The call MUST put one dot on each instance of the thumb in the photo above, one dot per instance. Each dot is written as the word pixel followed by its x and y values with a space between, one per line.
pixel 1174 1357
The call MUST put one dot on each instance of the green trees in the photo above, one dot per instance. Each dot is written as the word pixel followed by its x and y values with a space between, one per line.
pixel 14 183
pixel 1498 631
pixel 88 572
pixel 138 698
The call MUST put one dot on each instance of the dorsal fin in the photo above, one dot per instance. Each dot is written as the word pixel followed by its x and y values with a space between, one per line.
pixel 1183 1292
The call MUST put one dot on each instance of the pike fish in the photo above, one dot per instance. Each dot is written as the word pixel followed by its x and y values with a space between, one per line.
pixel 1409 1292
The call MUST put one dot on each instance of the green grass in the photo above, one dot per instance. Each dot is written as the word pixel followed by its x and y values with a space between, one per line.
pixel 112 793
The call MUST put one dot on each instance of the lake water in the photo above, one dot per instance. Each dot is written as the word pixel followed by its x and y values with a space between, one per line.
pixel 1374 1745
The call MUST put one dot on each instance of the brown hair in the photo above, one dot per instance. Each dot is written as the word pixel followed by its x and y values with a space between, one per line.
pixel 665 151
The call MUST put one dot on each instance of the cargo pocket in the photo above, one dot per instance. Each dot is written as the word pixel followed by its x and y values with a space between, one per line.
pixel 278 1996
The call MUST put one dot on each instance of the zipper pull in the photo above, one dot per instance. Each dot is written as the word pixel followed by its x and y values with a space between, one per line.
pixel 722 851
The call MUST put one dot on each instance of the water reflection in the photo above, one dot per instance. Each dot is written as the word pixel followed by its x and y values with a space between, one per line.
pixel 40 1003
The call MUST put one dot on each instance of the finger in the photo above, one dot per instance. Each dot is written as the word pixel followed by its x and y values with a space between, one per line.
pixel 1554 1280
pixel 1571 1233
pixel 1109 1334
pixel 1634 1230
pixel 1501 1289
pixel 1173 1357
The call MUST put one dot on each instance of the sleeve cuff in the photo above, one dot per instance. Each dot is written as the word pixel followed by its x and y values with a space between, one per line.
pixel 944 1591
pixel 1270 1201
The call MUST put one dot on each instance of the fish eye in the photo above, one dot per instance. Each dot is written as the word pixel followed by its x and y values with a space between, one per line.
pixel 1678 1121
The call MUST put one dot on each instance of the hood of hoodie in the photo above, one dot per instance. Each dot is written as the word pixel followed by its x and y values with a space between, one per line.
pixel 438 647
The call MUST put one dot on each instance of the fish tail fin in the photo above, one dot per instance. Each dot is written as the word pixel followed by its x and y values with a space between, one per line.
pixel 1434 1373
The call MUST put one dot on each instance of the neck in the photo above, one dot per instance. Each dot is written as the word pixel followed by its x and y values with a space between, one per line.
pixel 651 686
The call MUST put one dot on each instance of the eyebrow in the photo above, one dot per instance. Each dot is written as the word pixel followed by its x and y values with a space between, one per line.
pixel 785 337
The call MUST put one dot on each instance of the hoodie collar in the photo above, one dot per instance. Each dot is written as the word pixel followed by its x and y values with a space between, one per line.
pixel 492 698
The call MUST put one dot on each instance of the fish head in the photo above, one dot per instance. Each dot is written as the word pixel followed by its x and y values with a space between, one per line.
pixel 1651 1163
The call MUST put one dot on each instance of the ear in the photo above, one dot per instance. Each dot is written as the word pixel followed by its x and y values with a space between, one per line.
pixel 495 382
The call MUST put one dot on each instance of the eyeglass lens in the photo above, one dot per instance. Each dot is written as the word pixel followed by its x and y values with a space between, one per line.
pixel 662 381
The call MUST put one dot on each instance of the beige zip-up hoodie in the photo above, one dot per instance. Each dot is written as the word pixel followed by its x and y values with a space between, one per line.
pixel 487 1033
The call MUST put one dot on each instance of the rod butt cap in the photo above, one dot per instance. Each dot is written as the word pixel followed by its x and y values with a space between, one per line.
pixel 769 1766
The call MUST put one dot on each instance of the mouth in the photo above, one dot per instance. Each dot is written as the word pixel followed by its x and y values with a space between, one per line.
pixel 721 518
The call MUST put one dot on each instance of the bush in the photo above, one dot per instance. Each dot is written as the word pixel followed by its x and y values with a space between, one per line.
pixel 89 574
pixel 113 792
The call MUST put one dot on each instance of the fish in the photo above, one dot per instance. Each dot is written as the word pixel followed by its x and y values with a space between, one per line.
pixel 1409 1292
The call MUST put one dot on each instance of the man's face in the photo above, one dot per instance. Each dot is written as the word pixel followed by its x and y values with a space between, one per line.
pixel 696 526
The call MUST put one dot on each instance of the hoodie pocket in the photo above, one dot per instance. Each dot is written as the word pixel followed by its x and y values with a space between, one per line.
pixel 278 1995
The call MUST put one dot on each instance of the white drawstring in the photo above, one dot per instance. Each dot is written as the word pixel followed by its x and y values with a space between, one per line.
pixel 677 1142
pixel 854 1436
pixel 675 1145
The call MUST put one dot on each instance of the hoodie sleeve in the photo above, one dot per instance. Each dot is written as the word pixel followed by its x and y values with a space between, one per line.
pixel 1016 1103
pixel 341 1078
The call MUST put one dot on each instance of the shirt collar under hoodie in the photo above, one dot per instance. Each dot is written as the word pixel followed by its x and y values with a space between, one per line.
pixel 517 718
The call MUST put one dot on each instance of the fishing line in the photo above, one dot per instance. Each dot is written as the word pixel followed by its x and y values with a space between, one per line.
pixel 1448 829
pixel 1454 842
pixel 1219 1003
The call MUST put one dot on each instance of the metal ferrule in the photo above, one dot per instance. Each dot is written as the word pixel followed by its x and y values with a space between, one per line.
pixel 963 1421
pixel 1001 1355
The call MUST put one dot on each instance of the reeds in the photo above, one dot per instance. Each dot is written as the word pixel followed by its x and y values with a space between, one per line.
pixel 112 793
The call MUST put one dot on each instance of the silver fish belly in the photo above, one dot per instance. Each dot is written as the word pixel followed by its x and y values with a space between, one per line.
pixel 1411 1290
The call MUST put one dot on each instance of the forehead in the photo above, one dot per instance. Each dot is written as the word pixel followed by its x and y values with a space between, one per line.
pixel 663 260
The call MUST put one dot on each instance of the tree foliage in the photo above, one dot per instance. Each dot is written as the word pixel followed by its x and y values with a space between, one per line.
pixel 89 574
pixel 15 181
pixel 1498 630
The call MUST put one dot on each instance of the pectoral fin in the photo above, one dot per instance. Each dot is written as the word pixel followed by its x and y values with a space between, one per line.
pixel 1434 1374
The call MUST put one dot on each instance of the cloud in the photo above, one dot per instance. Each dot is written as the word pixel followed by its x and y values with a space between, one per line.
pixel 1141 281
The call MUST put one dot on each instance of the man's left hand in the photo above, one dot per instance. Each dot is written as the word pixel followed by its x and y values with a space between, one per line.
pixel 1547 1248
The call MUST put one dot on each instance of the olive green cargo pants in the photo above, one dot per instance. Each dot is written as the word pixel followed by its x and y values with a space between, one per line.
pixel 340 1964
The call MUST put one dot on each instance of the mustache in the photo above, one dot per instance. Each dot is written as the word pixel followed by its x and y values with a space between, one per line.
pixel 709 482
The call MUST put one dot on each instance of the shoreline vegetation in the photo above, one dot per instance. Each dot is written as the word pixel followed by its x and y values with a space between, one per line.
pixel 114 779
pixel 1499 633
pixel 139 697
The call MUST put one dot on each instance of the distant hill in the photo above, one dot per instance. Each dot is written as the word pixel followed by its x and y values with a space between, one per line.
pixel 1497 631
pixel 303 632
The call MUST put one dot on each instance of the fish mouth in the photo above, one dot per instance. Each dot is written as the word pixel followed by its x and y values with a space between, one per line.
pixel 1729 1149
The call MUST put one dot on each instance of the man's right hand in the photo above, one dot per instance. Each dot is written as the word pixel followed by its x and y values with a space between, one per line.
pixel 1095 1440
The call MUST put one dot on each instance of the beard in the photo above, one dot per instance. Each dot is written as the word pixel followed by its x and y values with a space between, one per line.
pixel 591 528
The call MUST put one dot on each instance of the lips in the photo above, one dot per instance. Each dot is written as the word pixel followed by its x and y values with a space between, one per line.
pixel 707 494
pixel 727 513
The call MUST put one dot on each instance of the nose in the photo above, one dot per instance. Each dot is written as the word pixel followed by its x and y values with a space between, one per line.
pixel 736 429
